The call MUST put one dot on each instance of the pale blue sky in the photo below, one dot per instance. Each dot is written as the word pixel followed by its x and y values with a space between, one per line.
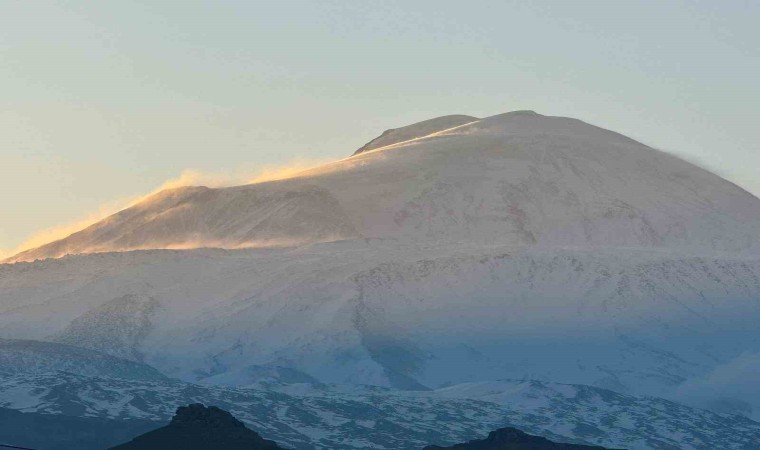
pixel 104 101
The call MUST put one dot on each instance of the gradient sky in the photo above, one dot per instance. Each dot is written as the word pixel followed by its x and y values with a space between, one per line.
pixel 101 102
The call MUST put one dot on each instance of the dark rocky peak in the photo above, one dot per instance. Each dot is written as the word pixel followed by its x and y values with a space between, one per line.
pixel 514 439
pixel 198 427
pixel 199 415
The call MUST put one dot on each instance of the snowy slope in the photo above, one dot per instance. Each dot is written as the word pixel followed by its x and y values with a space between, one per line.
pixel 385 313
pixel 32 357
pixel 334 417
pixel 518 178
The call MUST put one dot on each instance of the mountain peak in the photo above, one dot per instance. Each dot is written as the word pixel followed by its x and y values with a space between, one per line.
pixel 514 439
pixel 197 414
pixel 415 131
pixel 199 427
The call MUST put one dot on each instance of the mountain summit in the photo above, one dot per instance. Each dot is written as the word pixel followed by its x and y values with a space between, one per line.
pixel 518 178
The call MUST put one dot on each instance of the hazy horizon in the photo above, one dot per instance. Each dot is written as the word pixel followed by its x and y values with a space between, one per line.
pixel 106 102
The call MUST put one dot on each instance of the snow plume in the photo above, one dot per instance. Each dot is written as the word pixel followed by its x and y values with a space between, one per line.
pixel 270 172
pixel 290 169
pixel 188 177
pixel 195 177
pixel 61 231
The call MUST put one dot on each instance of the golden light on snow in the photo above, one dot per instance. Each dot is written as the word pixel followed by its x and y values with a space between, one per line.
pixel 288 170
pixel 188 177
pixel 59 232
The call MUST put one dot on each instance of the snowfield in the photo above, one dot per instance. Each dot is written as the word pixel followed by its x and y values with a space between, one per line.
pixel 305 416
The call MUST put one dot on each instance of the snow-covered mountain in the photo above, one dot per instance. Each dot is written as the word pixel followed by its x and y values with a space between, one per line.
pixel 515 179
pixel 304 416
pixel 455 250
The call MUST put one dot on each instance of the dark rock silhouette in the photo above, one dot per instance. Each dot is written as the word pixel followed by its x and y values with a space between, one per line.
pixel 197 427
pixel 514 439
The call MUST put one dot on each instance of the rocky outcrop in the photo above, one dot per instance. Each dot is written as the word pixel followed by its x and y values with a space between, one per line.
pixel 197 427
pixel 514 439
